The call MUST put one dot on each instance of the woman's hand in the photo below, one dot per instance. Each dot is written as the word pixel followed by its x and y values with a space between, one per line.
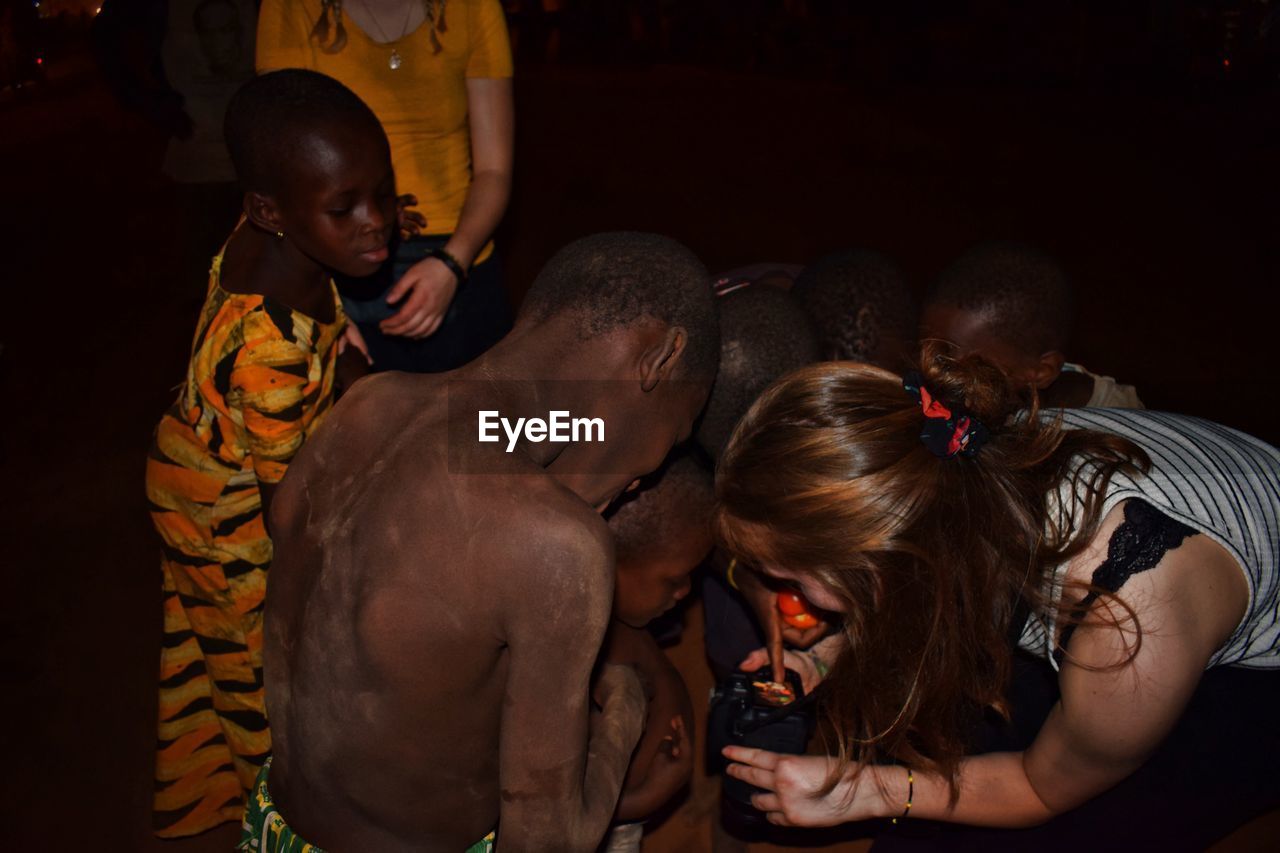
pixel 801 663
pixel 430 286
pixel 791 784
pixel 812 664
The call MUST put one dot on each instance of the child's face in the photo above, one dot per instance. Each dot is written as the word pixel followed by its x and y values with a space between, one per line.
pixel 972 333
pixel 339 205
pixel 649 587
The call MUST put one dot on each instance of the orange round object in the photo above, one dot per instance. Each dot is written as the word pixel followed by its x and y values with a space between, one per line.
pixel 802 621
pixel 791 604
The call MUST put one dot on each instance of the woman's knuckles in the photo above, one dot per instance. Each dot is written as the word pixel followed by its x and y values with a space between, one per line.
pixel 790 773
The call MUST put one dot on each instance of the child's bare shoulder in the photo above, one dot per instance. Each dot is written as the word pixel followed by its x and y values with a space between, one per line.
pixel 548 523
pixel 378 390
pixel 538 546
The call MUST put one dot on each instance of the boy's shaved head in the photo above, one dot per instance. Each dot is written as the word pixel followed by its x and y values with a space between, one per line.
pixel 763 334
pixel 615 279
pixel 661 535
pixel 674 501
pixel 1023 294
pixel 860 306
pixel 272 118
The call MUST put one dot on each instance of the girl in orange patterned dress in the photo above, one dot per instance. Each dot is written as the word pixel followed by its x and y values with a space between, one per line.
pixel 319 197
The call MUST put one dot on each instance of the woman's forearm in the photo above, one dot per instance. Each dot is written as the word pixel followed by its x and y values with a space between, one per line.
pixel 486 202
pixel 994 791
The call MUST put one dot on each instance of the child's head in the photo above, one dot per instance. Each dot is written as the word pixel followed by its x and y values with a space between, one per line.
pixel 1009 303
pixel 315 168
pixel 860 306
pixel 626 306
pixel 616 279
pixel 763 334
pixel 661 535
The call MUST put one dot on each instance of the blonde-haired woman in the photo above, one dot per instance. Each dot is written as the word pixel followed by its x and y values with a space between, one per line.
pixel 437 73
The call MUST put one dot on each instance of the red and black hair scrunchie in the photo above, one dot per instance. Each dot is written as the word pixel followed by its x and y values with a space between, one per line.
pixel 949 430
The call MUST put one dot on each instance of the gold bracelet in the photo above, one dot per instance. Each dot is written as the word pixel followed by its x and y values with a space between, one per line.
pixel 728 574
pixel 911 795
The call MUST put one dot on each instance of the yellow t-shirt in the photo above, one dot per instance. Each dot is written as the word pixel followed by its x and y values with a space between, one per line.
pixel 422 104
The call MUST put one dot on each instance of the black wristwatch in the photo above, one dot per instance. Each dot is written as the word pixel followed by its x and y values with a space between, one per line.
pixel 451 262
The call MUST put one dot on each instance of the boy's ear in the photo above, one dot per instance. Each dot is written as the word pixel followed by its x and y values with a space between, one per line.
pixel 660 360
pixel 1047 369
pixel 263 211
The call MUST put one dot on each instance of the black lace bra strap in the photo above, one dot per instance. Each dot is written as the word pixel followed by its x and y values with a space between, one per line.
pixel 1138 544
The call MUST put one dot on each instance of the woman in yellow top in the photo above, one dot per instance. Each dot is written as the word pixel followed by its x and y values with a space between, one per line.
pixel 437 73
pixel 319 199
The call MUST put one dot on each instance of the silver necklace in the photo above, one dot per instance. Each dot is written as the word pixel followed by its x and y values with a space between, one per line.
pixel 395 61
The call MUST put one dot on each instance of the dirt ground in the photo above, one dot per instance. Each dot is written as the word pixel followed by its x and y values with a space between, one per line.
pixel 1161 205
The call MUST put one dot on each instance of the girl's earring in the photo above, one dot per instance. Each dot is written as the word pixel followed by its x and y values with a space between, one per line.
pixel 279 235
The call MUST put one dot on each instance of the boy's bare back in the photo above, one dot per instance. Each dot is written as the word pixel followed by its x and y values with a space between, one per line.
pixel 428 634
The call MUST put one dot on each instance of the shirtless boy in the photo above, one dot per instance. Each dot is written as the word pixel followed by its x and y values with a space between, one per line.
pixel 661 537
pixel 437 602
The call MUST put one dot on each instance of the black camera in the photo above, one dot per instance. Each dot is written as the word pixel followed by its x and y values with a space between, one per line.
pixel 748 710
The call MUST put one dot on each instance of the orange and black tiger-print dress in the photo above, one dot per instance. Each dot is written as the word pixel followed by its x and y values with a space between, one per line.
pixel 259 382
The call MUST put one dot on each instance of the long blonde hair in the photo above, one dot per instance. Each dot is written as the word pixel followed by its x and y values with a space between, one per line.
pixel 434 10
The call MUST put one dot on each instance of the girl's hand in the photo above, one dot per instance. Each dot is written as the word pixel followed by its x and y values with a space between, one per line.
pixel 352 338
pixel 791 783
pixel 411 221
pixel 429 286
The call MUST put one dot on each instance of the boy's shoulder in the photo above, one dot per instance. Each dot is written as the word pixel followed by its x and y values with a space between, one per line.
pixel 530 547
pixel 1083 388
pixel 542 521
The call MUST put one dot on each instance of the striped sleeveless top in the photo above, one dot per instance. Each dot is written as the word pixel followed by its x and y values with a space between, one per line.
pixel 1218 481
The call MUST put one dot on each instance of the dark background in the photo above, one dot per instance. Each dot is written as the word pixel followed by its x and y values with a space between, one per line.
pixel 1138 146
